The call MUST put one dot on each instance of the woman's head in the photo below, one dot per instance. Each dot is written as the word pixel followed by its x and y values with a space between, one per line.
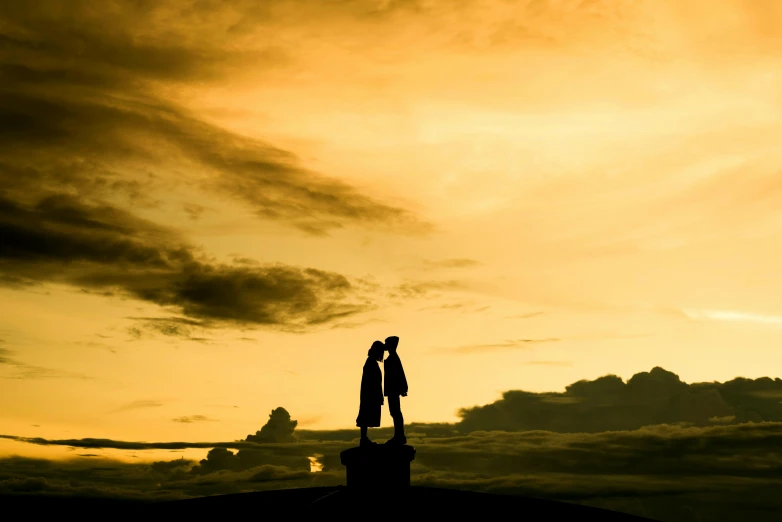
pixel 376 351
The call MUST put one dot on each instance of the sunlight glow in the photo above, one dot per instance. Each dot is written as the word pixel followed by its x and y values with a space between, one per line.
pixel 315 464
pixel 727 315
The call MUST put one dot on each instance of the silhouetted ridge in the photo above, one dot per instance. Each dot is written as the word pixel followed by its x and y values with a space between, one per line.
pixel 412 502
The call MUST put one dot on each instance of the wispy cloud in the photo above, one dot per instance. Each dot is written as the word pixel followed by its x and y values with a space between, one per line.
pixel 420 289
pixel 548 363
pixel 729 315
pixel 524 316
pixel 28 371
pixel 188 419
pixel 509 344
pixel 137 405
pixel 452 263
pixel 467 307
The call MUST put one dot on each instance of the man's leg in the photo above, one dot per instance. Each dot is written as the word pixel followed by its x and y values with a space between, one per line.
pixel 395 408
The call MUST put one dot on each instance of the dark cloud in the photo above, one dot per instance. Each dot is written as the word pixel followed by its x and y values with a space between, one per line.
pixel 664 472
pixel 81 106
pixel 669 472
pixel 279 428
pixel 648 398
pixel 86 129
pixel 189 419
pixel 125 445
pixel 179 327
pixel 63 239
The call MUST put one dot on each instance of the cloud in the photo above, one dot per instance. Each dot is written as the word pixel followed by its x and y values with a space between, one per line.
pixel 27 371
pixel 194 210
pixel 279 428
pixel 652 446
pixel 138 405
pixel 310 420
pixel 466 307
pixel 125 445
pixel 446 306
pixel 425 289
pixel 189 419
pixel 452 263
pixel 510 344
pixel 62 239
pixel 22 370
pixel 83 125
pixel 524 316
pixel 663 472
pixel 86 139
pixel 647 398
pixel 357 324
pixel 168 326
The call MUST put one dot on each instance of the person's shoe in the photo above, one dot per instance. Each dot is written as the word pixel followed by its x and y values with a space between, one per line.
pixel 366 442
pixel 397 441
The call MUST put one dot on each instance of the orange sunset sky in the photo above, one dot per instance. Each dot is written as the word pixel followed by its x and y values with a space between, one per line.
pixel 526 192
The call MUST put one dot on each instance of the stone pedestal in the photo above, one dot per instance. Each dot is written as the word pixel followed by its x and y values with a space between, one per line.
pixel 378 466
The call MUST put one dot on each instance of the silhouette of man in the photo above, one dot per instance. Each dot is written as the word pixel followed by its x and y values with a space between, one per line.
pixel 395 386
pixel 371 392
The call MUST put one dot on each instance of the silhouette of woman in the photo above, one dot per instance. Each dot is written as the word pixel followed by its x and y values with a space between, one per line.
pixel 371 392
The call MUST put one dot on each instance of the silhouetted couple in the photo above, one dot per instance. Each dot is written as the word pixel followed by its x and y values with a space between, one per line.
pixel 372 396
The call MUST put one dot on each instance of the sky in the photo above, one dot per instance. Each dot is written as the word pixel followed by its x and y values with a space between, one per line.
pixel 211 209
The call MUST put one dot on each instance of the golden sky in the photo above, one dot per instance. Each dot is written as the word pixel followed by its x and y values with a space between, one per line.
pixel 210 209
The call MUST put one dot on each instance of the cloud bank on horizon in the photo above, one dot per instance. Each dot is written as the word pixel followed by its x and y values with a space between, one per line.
pixel 676 462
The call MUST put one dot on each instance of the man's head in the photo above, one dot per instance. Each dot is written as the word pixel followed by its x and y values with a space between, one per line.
pixel 376 351
pixel 391 343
